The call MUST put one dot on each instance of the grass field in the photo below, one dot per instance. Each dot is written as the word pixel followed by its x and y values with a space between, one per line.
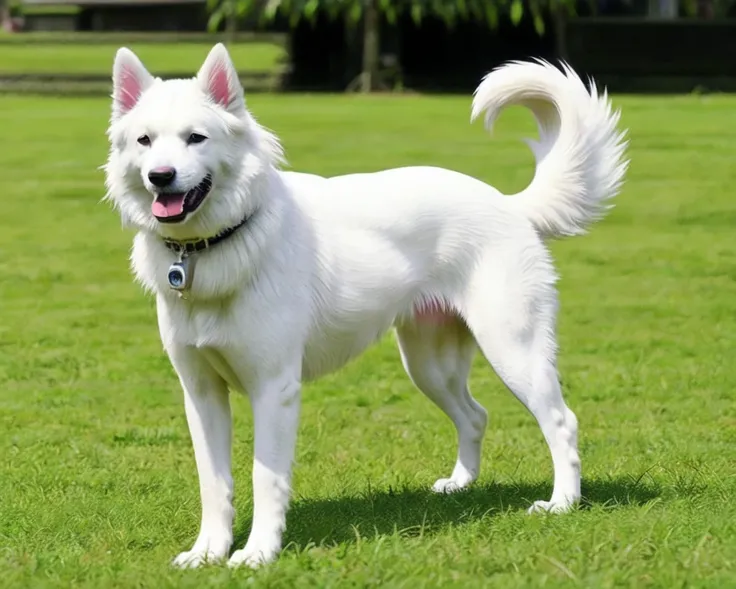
pixel 77 58
pixel 97 480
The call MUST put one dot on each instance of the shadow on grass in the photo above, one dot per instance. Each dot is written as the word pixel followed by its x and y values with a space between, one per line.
pixel 414 511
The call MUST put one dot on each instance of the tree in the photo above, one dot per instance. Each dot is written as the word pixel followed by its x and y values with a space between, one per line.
pixel 227 11
pixel 371 11
pixel 5 14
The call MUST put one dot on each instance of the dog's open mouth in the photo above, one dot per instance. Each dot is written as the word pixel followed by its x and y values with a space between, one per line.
pixel 171 207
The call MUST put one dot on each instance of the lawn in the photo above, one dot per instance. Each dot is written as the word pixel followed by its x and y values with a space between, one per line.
pixel 97 477
pixel 169 58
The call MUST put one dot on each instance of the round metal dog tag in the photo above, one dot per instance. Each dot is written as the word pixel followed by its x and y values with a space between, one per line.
pixel 178 276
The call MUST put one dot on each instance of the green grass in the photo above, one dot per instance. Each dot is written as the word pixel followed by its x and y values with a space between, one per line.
pixel 43 9
pixel 98 485
pixel 78 58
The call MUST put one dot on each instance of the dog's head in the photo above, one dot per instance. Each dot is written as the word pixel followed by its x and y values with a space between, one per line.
pixel 184 154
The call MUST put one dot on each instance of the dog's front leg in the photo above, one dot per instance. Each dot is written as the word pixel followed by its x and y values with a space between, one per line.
pixel 207 406
pixel 275 405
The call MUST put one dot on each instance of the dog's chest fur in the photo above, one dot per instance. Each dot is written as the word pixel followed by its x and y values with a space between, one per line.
pixel 238 336
pixel 227 333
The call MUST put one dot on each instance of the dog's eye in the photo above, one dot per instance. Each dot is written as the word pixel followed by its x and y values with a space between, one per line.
pixel 196 138
pixel 144 140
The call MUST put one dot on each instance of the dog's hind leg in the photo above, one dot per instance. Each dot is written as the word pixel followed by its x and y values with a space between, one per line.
pixel 437 352
pixel 511 312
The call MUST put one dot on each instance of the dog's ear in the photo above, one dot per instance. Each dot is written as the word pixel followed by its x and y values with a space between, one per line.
pixel 219 80
pixel 130 79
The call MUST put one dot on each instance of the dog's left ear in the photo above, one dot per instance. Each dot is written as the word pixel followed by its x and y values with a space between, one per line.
pixel 220 82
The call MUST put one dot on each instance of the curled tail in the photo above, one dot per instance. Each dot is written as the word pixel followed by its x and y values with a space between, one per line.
pixel 580 163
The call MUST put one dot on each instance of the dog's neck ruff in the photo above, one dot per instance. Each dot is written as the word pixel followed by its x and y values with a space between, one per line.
pixel 190 246
pixel 180 272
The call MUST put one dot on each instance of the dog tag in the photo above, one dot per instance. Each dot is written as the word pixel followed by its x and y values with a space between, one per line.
pixel 179 275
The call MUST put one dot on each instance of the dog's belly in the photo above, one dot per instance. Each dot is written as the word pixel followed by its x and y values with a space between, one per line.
pixel 328 350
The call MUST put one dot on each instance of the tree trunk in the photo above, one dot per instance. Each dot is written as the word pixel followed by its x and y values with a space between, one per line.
pixel 559 23
pixel 371 46
pixel 231 22
pixel 666 9
pixel 5 22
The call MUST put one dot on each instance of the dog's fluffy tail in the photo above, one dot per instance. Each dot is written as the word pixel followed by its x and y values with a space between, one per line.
pixel 580 163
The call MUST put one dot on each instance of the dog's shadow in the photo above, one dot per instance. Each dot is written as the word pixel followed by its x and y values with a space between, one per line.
pixel 414 511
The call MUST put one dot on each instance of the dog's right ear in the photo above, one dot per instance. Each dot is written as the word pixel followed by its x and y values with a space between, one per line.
pixel 130 79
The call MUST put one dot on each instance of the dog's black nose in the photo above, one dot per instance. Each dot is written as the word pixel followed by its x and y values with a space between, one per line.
pixel 162 176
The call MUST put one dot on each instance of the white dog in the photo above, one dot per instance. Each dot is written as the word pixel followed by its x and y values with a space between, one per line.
pixel 266 279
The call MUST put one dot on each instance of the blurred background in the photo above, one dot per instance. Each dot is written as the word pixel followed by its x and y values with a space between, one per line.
pixel 333 45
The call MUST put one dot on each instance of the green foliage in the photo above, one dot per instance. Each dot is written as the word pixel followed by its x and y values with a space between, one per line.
pixel 720 8
pixel 451 11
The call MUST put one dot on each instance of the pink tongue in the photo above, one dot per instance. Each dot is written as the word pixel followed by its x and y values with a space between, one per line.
pixel 168 205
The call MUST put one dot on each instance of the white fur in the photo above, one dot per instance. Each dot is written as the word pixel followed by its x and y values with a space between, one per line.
pixel 324 267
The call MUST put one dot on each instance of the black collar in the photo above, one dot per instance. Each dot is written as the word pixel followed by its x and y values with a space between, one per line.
pixel 197 245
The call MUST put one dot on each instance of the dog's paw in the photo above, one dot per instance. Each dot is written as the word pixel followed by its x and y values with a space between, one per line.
pixel 450 485
pixel 193 559
pixel 252 557
pixel 260 549
pixel 551 507
pixel 206 550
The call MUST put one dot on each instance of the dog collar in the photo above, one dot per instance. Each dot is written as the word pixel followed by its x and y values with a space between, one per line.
pixel 180 272
pixel 191 246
